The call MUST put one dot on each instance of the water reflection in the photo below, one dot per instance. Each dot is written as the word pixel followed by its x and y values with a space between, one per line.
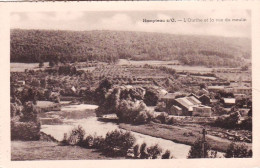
pixel 58 123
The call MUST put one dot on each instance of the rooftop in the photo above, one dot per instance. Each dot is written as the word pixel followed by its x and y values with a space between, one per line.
pixel 229 100
pixel 215 87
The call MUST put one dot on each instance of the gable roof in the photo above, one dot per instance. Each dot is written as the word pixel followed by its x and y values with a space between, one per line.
pixel 194 100
pixel 192 94
pixel 188 102
pixel 202 96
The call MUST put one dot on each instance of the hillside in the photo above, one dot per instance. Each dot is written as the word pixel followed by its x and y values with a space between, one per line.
pixel 109 46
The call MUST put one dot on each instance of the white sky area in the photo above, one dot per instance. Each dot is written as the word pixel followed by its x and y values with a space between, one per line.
pixel 133 21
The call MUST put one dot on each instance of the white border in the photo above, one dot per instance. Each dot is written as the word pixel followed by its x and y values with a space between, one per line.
pixel 6 8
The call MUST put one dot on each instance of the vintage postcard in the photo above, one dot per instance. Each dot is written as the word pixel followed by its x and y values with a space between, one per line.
pixel 130 84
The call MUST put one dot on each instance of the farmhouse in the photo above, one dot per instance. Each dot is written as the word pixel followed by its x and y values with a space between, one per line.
pixel 203 111
pixel 192 94
pixel 175 110
pixel 185 106
pixel 169 100
pixel 229 102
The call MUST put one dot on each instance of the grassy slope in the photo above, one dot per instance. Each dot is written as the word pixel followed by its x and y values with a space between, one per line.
pixel 175 133
pixel 40 150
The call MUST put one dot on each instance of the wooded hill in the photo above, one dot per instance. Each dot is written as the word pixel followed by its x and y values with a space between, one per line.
pixel 109 46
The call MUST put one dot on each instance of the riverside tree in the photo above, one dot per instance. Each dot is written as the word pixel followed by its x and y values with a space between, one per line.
pixel 201 149
pixel 238 151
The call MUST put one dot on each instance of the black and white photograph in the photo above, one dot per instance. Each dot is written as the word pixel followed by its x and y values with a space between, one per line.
pixel 115 85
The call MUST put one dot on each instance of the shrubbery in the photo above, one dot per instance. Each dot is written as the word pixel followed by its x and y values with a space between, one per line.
pixel 246 124
pixel 116 143
pixel 196 150
pixel 162 117
pixel 228 122
pixel 26 131
pixel 238 151
pixel 232 121
pixel 166 155
pixel 154 151
pixel 25 124
pixel 76 136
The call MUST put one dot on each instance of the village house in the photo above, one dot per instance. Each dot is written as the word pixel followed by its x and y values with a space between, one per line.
pixel 175 110
pixel 185 106
pixel 229 102
pixel 169 100
pixel 202 111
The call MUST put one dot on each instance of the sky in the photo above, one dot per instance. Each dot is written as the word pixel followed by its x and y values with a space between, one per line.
pixel 133 21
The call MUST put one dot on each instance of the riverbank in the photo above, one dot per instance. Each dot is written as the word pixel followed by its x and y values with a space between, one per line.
pixel 43 150
pixel 178 134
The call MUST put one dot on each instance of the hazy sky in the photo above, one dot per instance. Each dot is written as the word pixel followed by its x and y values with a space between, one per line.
pixel 133 21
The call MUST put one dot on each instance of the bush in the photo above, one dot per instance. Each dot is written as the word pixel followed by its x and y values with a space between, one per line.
pixel 98 142
pixel 141 118
pixel 154 151
pixel 136 151
pixel 29 113
pixel 166 155
pixel 247 124
pixel 118 142
pixel 64 141
pixel 88 142
pixel 143 151
pixel 161 106
pixel 151 96
pixel 76 136
pixel 144 116
pixel 162 117
pixel 171 121
pixel 196 150
pixel 26 131
pixel 228 122
pixel 238 151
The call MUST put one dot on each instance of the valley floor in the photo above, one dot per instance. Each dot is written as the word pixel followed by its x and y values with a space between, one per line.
pixel 42 150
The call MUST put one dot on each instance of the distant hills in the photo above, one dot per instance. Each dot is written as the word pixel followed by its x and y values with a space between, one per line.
pixel 109 46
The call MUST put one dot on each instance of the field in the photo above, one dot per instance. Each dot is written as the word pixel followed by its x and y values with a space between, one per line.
pixel 184 135
pixel 40 150
pixel 236 76
pixel 128 71
pixel 170 64
pixel 20 67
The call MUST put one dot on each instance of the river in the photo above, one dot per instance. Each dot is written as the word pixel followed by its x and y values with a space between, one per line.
pixel 59 122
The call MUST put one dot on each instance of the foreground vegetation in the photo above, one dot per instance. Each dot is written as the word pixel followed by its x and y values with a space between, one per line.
pixel 116 143
pixel 43 150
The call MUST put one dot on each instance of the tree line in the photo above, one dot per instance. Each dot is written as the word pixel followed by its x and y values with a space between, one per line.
pixel 109 46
